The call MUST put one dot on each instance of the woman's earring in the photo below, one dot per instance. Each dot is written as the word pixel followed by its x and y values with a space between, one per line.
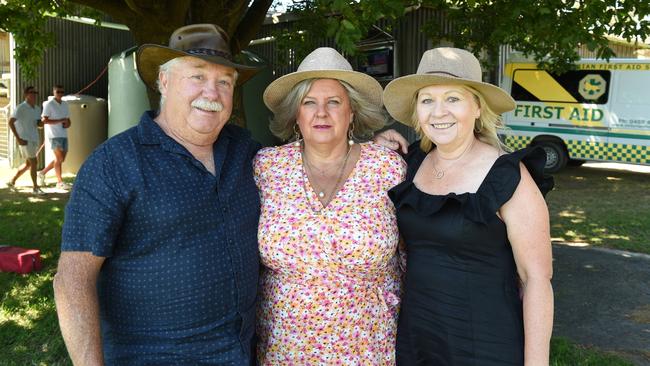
pixel 351 134
pixel 478 125
pixel 296 135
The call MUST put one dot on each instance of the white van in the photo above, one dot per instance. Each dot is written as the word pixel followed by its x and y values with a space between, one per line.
pixel 599 111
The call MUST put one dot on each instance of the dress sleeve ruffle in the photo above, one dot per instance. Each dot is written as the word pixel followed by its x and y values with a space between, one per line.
pixel 497 188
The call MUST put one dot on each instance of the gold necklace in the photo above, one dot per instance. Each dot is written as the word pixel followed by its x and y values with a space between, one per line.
pixel 439 173
pixel 321 172
pixel 321 193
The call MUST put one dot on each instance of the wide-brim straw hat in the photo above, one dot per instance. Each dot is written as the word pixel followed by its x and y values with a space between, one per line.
pixel 444 65
pixel 323 63
pixel 205 41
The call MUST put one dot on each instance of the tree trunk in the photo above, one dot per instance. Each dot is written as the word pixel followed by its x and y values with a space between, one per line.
pixel 154 21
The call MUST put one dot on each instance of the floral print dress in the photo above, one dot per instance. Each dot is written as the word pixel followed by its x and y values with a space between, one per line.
pixel 329 290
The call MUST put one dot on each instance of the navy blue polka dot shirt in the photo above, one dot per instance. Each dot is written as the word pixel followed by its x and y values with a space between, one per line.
pixel 179 281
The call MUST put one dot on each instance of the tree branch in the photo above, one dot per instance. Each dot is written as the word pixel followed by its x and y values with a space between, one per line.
pixel 178 11
pixel 131 4
pixel 114 8
pixel 250 25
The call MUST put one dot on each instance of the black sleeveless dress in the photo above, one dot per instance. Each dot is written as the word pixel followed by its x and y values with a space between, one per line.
pixel 461 303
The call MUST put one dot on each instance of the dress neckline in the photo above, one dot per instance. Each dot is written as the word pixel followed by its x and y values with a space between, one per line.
pixel 310 194
pixel 453 194
pixel 497 187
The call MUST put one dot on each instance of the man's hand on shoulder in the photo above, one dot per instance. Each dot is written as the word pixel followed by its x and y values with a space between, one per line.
pixel 391 139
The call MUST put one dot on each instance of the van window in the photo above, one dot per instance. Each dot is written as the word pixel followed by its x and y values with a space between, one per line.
pixel 576 86
pixel 632 87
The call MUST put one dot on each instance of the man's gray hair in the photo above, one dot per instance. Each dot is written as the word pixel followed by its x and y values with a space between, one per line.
pixel 164 69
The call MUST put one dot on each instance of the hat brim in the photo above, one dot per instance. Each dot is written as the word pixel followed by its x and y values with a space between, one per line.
pixel 151 56
pixel 366 85
pixel 400 92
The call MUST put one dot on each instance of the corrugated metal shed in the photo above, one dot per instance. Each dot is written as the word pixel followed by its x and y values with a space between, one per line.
pixel 407 34
pixel 79 58
pixel 81 54
pixel 4 132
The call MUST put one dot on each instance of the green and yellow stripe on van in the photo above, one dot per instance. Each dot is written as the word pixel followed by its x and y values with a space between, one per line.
pixel 590 149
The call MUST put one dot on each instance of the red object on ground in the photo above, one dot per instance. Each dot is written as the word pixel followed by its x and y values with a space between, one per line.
pixel 20 260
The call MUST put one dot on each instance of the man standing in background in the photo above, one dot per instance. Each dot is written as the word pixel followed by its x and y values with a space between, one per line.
pixel 56 118
pixel 24 124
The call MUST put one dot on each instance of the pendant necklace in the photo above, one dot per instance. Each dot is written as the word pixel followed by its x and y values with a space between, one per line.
pixel 439 173
pixel 322 193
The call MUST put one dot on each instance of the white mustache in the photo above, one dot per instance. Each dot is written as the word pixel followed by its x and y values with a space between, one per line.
pixel 207 105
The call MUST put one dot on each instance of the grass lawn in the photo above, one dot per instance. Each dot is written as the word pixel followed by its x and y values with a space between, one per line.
pixel 29 332
pixel 604 208
pixel 599 207
pixel 565 353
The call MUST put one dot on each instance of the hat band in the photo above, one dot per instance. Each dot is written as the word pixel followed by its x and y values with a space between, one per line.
pixel 442 72
pixel 209 52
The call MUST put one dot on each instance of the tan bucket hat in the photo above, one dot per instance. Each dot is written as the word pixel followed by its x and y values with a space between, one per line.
pixel 323 63
pixel 444 65
pixel 205 41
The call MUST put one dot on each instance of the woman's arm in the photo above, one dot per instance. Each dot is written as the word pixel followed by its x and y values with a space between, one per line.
pixel 527 222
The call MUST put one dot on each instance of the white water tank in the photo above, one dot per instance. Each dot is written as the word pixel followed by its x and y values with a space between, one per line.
pixel 88 129
pixel 127 94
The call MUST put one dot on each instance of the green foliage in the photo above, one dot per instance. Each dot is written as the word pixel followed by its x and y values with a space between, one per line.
pixel 345 21
pixel 548 30
pixel 26 20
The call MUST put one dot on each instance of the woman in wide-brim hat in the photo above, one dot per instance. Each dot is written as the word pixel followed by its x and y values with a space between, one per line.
pixel 327 233
pixel 474 221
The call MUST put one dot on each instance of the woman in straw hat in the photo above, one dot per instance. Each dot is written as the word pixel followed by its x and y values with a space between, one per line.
pixel 327 233
pixel 474 221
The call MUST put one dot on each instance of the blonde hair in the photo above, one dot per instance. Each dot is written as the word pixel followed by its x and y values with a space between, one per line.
pixel 368 117
pixel 485 127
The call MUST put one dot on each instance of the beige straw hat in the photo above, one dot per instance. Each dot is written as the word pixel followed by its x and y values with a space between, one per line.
pixel 444 65
pixel 205 41
pixel 323 63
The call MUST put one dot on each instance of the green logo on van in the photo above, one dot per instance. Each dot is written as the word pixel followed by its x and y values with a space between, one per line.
pixel 592 86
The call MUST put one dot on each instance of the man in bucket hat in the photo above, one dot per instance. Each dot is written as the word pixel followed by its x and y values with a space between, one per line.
pixel 159 258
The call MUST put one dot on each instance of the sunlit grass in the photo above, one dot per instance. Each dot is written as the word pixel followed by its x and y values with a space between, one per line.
pixel 605 208
pixel 29 332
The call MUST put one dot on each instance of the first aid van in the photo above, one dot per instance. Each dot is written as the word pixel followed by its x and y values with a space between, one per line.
pixel 598 111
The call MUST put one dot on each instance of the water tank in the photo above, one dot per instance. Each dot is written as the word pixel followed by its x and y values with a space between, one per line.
pixel 88 117
pixel 257 115
pixel 127 94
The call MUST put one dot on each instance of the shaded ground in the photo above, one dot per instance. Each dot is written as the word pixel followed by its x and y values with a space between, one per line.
pixel 602 299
